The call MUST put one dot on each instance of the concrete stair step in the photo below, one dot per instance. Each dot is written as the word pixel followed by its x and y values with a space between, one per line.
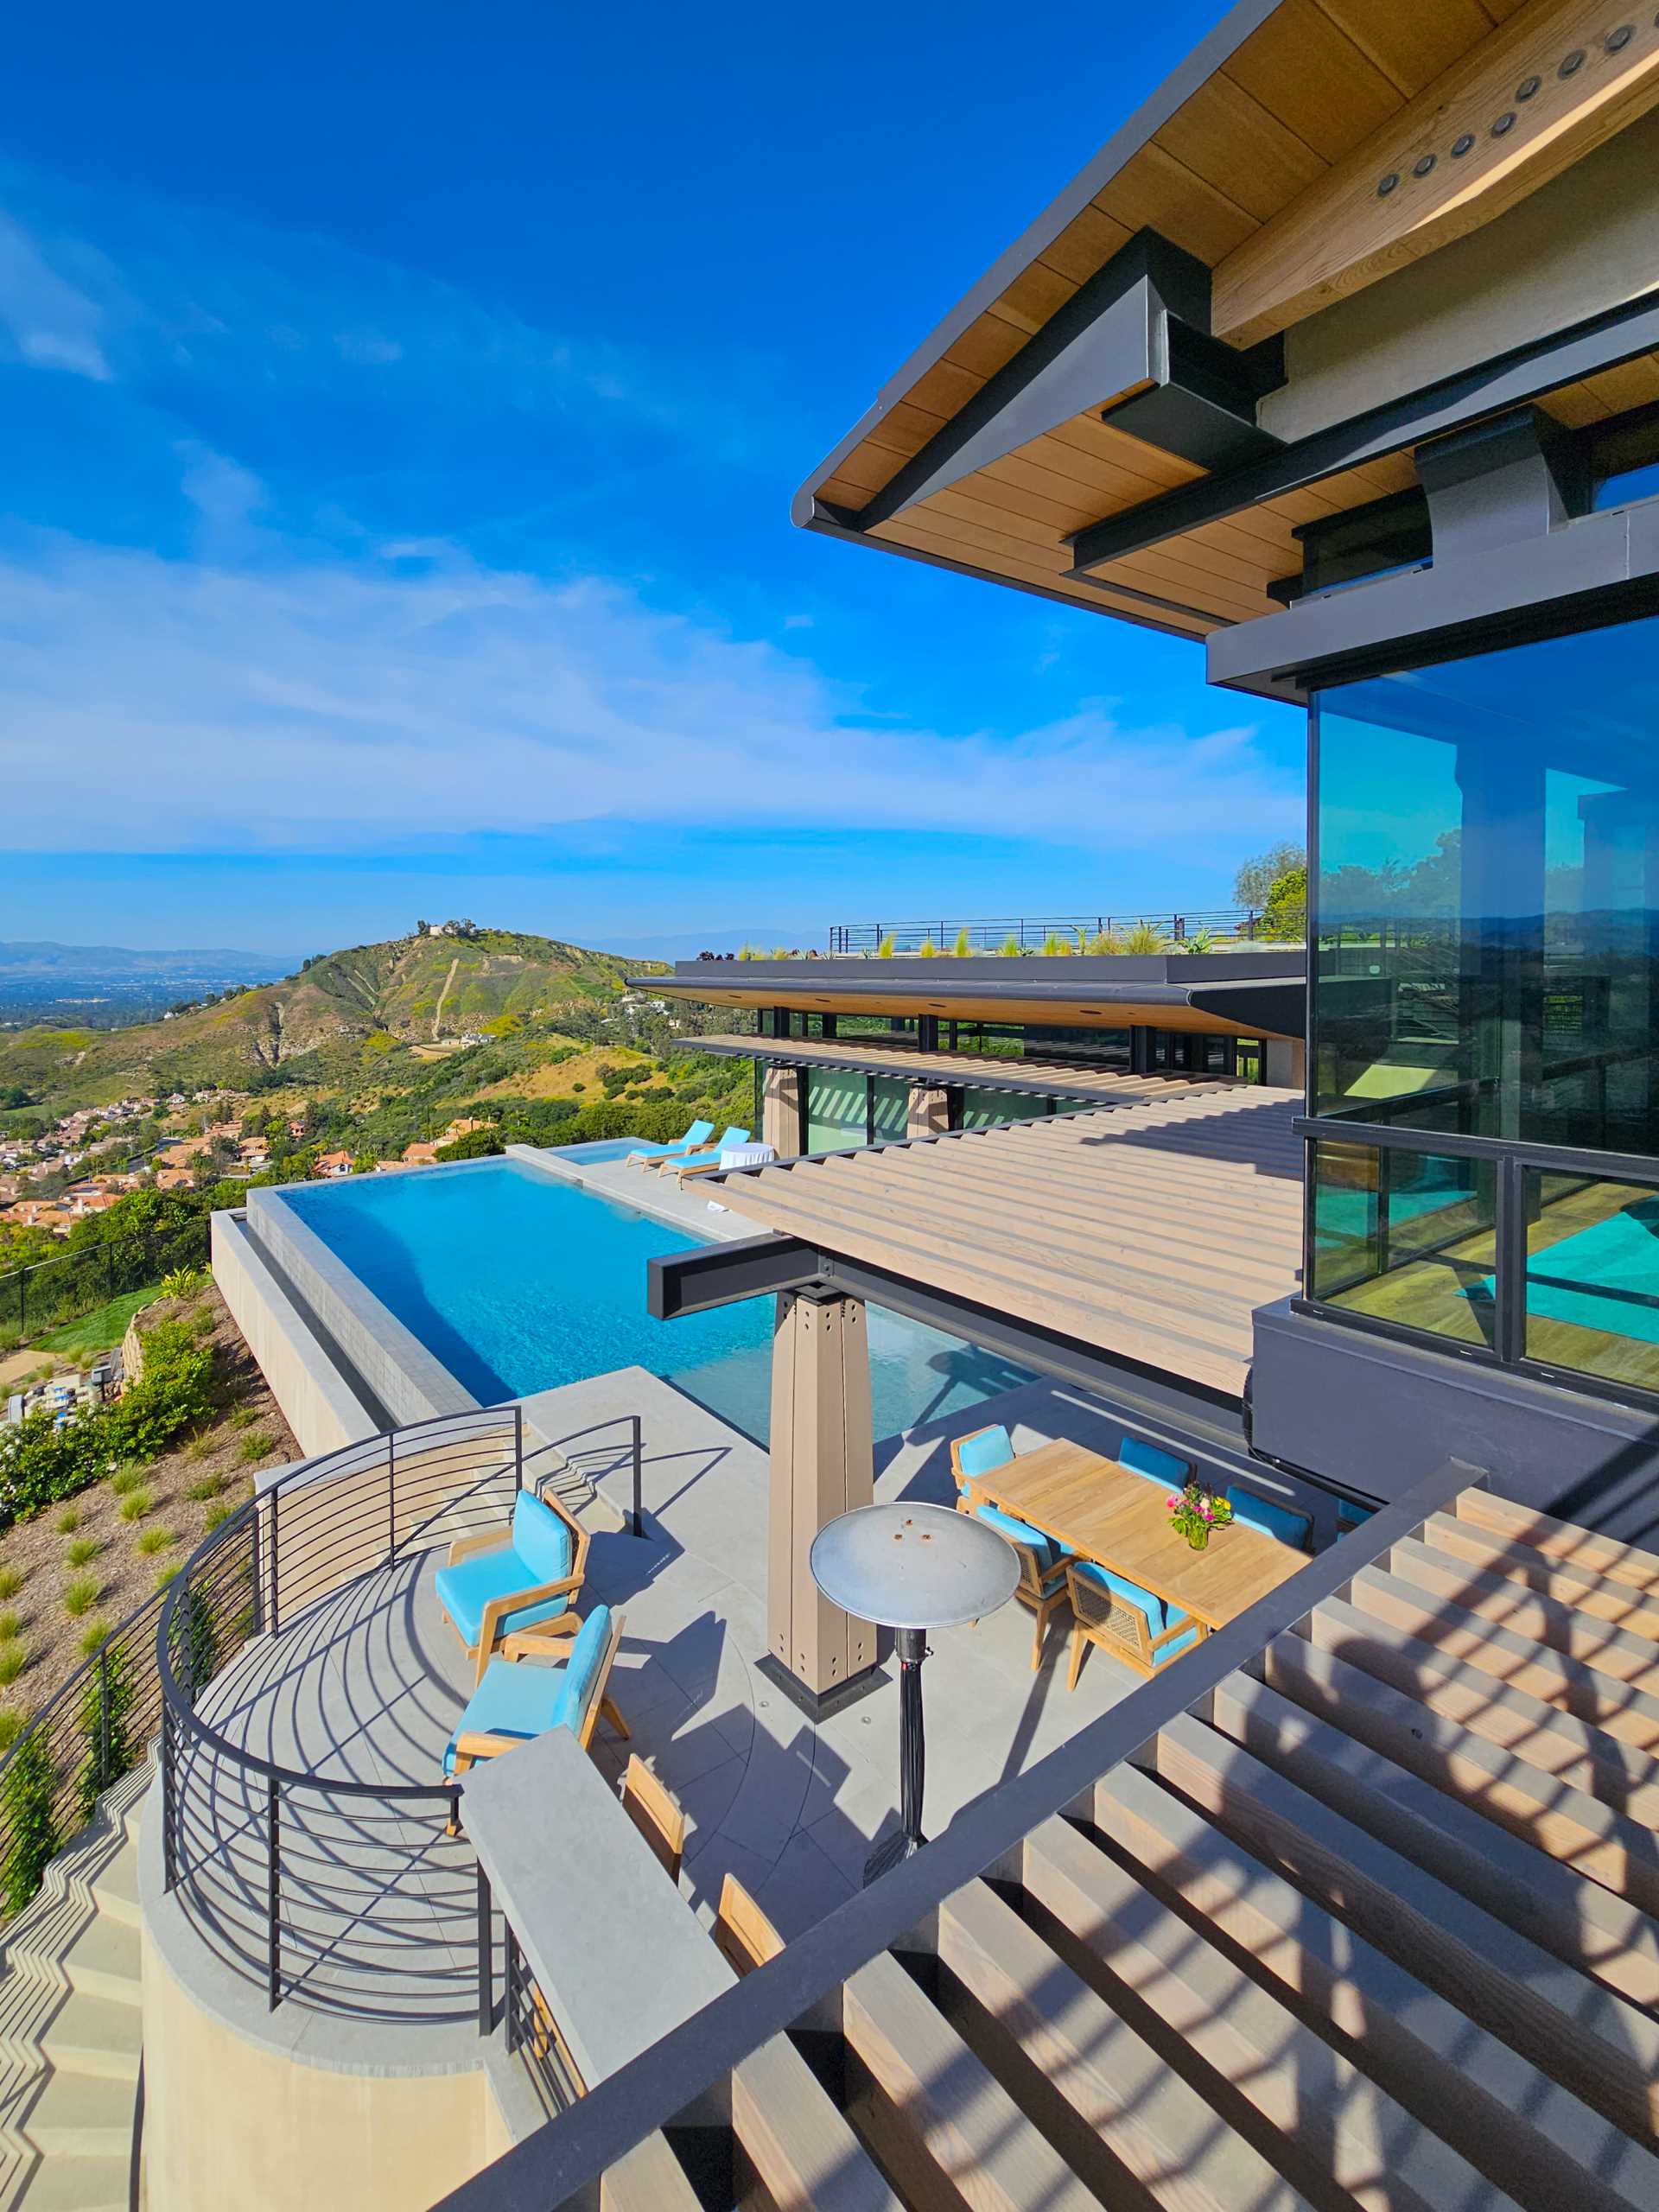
pixel 115 1889
pixel 93 2035
pixel 105 1959
pixel 75 2185
pixel 81 2116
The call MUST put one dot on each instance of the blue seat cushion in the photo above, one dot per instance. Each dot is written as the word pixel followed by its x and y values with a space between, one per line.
pixel 1273 1519
pixel 542 1540
pixel 465 1589
pixel 1173 1650
pixel 1131 1592
pixel 1049 1550
pixel 980 1455
pixel 516 1697
pixel 1158 1466
pixel 580 1670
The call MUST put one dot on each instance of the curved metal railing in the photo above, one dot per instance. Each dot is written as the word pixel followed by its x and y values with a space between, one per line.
pixel 297 1719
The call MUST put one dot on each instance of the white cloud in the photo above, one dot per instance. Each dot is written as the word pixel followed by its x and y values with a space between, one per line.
pixel 329 707
pixel 50 321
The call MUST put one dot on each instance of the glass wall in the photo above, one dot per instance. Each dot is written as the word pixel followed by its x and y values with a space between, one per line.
pixel 1487 893
pixel 836 1119
pixel 984 1109
pixel 1486 948
pixel 1033 1040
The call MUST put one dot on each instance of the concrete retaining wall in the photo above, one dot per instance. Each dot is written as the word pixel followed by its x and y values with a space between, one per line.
pixel 318 1402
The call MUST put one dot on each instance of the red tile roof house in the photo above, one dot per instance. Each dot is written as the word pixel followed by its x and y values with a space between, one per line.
pixel 420 1155
pixel 334 1163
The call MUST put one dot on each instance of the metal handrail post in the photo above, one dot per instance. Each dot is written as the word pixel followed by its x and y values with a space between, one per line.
pixel 169 1845
pixel 273 1894
pixel 391 1495
pixel 103 1717
pixel 486 1963
pixel 639 1472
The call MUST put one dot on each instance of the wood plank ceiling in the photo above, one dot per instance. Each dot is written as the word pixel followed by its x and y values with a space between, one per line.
pixel 1296 100
pixel 1370 1928
pixel 1162 1226
pixel 1042 1078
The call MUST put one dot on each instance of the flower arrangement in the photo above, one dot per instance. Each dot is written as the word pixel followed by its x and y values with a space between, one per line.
pixel 1195 1513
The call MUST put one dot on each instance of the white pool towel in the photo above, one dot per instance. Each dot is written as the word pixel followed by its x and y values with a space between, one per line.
pixel 743 1155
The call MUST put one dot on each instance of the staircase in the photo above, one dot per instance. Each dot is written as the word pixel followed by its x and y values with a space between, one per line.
pixel 70 2020
pixel 1371 1925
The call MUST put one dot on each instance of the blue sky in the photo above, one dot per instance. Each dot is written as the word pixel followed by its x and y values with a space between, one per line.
pixel 400 410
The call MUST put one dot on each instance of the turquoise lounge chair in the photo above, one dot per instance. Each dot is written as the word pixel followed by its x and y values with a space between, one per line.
pixel 505 1581
pixel 695 1138
pixel 519 1698
pixel 705 1158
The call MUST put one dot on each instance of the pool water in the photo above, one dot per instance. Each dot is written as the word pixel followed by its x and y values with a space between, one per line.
pixel 599 1149
pixel 518 1281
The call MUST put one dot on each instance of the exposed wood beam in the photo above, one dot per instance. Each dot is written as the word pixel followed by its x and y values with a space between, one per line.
pixel 1522 109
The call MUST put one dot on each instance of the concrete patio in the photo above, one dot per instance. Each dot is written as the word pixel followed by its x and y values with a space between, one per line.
pixel 364 1687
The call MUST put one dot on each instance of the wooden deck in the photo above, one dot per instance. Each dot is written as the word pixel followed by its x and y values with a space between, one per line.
pixel 1372 1925
pixel 1151 1233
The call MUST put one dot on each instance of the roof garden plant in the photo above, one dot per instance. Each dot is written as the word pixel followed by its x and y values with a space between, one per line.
pixel 1145 937
pixel 963 947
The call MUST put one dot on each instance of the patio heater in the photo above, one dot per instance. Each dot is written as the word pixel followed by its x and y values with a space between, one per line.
pixel 911 1568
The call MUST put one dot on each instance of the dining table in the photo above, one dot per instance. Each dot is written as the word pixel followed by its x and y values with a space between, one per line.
pixel 1106 1512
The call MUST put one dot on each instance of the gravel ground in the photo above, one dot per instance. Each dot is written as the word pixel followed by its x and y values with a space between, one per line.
pixel 248 1433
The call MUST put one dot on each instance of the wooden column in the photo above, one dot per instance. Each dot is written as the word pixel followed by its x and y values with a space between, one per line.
pixel 929 1114
pixel 823 1464
pixel 780 1112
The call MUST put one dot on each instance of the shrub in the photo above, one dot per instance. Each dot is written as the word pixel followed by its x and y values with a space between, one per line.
pixel 927 950
pixel 256 1445
pixel 245 1416
pixel 184 1282
pixel 1011 947
pixel 11 1727
pixel 67 1522
pixel 168 1574
pixel 173 1393
pixel 963 945
pixel 1143 937
pixel 198 1445
pixel 14 1657
pixel 92 1637
pixel 205 1486
pixel 1054 944
pixel 83 1549
pixel 41 1464
pixel 1285 919
pixel 26 1790
pixel 155 1539
pixel 215 1515
pixel 11 1624
pixel 135 1504
pixel 11 1581
pixel 125 1478
pixel 81 1595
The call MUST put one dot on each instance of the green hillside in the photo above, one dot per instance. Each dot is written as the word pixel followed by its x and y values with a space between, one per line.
pixel 345 1019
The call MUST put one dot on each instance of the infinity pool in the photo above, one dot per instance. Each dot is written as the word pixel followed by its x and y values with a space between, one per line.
pixel 518 1281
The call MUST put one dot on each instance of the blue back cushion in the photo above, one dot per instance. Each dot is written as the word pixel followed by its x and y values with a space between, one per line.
pixel 1274 1520
pixel 541 1540
pixel 1158 1466
pixel 982 1454
pixel 581 1670
pixel 732 1137
pixel 1131 1592
pixel 699 1132
pixel 1019 1532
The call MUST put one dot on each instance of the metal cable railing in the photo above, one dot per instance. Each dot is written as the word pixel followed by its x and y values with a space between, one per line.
pixel 288 1838
pixel 1033 932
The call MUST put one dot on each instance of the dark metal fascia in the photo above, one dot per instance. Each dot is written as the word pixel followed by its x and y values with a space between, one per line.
pixel 1523 373
pixel 677 1283
pixel 1600 570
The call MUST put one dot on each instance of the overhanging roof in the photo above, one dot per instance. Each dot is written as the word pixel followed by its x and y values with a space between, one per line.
pixel 1110 364
pixel 974 1070
pixel 1150 1233
pixel 1248 994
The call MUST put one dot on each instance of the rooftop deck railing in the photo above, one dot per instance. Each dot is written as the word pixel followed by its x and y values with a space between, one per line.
pixel 327 1879
pixel 1033 933
pixel 718 2088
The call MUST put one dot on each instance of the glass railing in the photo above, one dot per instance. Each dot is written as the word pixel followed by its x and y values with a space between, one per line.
pixel 1528 1255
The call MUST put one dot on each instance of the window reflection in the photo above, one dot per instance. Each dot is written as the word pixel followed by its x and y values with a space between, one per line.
pixel 1488 888
pixel 1593 1277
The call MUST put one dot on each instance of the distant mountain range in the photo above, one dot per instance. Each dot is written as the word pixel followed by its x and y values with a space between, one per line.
pixel 41 960
pixel 106 986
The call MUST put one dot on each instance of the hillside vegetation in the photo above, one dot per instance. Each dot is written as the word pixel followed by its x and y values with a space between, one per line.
pixel 339 1023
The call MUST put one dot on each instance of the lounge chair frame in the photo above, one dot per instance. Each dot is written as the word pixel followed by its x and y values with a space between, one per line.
pixel 475 1744
pixel 490 1632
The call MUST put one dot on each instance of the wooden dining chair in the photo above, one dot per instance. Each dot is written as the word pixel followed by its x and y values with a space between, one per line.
pixel 743 1935
pixel 656 1813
